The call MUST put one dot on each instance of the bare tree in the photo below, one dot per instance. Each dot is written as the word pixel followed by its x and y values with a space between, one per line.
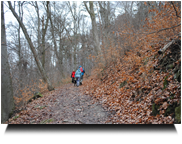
pixel 90 10
pixel 7 102
pixel 58 56
pixel 75 29
pixel 39 65
pixel 20 6
pixel 44 29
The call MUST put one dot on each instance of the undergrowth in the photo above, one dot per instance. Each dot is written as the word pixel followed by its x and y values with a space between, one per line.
pixel 131 85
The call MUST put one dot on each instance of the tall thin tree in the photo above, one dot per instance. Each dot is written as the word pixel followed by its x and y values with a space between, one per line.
pixel 39 65
pixel 7 102
pixel 90 10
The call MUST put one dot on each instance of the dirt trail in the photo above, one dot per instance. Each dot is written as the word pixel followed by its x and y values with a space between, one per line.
pixel 65 105
pixel 73 107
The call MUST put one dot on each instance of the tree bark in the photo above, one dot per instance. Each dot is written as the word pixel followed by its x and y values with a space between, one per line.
pixel 38 18
pixel 102 33
pixel 39 65
pixel 94 26
pixel 44 29
pixel 162 50
pixel 75 31
pixel 7 101
pixel 43 44
pixel 55 45
pixel 19 54
pixel 75 17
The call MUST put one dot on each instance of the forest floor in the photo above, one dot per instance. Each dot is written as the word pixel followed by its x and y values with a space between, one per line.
pixel 65 105
pixel 146 92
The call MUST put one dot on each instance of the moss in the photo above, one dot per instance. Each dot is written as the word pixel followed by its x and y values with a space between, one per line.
pixel 155 56
pixel 165 83
pixel 36 95
pixel 12 112
pixel 155 108
pixel 103 71
pixel 36 106
pixel 146 60
pixel 16 117
pixel 178 114
pixel 170 109
pixel 42 107
pixel 178 75
pixel 172 96
pixel 41 95
pixel 46 121
pixel 123 84
pixel 113 81
pixel 170 66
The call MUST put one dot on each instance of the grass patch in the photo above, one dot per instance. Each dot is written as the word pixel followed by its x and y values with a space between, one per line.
pixel 15 117
pixel 47 121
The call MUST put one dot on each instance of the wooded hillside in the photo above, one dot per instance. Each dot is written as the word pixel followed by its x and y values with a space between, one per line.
pixel 144 85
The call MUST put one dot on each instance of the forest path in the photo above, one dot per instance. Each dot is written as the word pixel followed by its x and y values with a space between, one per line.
pixel 65 105
pixel 71 106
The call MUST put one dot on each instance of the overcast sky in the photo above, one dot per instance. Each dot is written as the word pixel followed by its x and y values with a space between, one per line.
pixel 9 17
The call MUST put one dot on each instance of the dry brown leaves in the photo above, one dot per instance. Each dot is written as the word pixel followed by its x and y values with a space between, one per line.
pixel 133 102
pixel 36 111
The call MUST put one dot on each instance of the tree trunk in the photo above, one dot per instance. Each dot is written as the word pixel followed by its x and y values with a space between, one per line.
pixel 43 44
pixel 39 65
pixel 7 102
pixel 75 32
pixel 94 26
pixel 20 57
pixel 61 56
pixel 55 46
pixel 39 46
pixel 43 34
pixel 75 27
pixel 38 18
pixel 102 33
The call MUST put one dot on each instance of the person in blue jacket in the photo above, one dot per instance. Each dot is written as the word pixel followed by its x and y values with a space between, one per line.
pixel 83 71
pixel 78 75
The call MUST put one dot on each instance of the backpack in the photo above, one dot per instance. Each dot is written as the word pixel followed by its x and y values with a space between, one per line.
pixel 81 69
pixel 78 73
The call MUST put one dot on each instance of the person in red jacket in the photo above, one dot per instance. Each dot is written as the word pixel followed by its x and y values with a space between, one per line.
pixel 73 76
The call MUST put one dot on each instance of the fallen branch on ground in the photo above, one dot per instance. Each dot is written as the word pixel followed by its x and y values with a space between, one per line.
pixel 162 50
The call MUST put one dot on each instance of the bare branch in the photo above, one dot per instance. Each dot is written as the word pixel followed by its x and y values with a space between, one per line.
pixel 69 5
pixel 164 29
pixel 86 7
pixel 175 9
pixel 151 32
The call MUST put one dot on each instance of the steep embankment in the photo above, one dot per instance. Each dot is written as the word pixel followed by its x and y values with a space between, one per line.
pixel 143 87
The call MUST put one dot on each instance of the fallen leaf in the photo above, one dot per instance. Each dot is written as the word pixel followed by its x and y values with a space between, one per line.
pixel 165 105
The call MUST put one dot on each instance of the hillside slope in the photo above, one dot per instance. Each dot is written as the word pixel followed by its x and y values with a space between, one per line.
pixel 142 87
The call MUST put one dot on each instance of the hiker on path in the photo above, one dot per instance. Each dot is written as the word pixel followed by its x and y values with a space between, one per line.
pixel 73 76
pixel 78 75
pixel 83 71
